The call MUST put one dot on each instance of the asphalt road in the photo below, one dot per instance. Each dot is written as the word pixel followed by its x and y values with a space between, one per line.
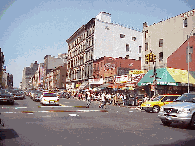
pixel 29 123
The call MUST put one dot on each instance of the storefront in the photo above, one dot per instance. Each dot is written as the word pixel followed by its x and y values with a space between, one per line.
pixel 170 81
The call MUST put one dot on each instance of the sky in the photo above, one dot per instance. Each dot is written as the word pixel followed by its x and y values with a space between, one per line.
pixel 31 29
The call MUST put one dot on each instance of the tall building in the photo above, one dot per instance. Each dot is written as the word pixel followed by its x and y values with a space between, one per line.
pixel 1 67
pixel 96 39
pixel 28 72
pixel 50 64
pixel 165 37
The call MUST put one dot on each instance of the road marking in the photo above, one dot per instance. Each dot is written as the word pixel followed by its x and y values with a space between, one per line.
pixel 12 107
pixel 27 112
pixel 73 115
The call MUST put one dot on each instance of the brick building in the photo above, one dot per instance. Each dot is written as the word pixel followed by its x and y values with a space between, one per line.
pixel 108 67
pixel 179 58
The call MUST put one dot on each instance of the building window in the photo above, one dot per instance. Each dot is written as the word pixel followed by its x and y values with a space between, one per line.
pixel 122 35
pixel 160 56
pixel 127 47
pixel 133 38
pixel 146 33
pixel 140 58
pixel 94 66
pixel 107 27
pixel 140 49
pixel 146 46
pixel 185 23
pixel 160 42
pixel 127 56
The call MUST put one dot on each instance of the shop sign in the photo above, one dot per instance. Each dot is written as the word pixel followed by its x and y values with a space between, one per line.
pixel 137 72
pixel 96 81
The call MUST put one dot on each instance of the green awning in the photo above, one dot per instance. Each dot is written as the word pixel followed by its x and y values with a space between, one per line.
pixel 162 73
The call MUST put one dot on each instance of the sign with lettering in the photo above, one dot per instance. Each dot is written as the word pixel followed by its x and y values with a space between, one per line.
pixel 137 72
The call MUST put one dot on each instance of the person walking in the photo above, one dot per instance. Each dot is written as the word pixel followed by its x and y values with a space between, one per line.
pixel 88 100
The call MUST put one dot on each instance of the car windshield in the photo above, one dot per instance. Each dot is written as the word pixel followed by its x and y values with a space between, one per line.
pixel 49 95
pixel 157 98
pixel 186 98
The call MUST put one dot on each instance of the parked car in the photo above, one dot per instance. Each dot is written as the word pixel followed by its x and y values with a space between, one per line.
pixel 37 96
pixel 181 111
pixel 6 97
pixel 157 102
pixel 49 99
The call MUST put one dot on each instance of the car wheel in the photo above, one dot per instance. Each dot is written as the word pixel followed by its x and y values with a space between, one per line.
pixel 12 102
pixel 192 123
pixel 156 109
pixel 166 123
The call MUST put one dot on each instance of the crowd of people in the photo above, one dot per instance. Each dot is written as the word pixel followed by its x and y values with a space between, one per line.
pixel 105 97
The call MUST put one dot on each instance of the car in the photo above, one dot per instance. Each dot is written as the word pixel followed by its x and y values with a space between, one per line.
pixel 49 98
pixel 157 102
pixel 32 93
pixel 37 96
pixel 18 95
pixel 181 111
pixel 6 97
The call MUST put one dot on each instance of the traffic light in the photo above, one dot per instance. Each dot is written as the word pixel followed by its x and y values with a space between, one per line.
pixel 147 58
pixel 150 57
pixel 154 58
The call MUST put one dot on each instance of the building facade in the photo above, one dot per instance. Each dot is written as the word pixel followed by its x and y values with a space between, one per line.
pixel 109 67
pixel 96 39
pixel 164 37
pixel 2 61
pixel 28 73
pixel 179 58
pixel 50 64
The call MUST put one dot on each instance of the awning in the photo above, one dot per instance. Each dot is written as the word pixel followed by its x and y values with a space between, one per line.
pixel 181 76
pixel 168 76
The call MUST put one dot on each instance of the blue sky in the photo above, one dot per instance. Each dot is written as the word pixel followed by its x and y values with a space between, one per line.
pixel 31 29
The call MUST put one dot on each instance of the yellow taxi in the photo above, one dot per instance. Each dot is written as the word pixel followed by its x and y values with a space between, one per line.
pixel 157 102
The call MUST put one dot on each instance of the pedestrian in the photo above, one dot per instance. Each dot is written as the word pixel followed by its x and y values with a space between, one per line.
pixel 125 100
pixel 88 100
pixel 145 98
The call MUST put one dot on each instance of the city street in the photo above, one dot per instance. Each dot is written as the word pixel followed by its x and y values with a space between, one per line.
pixel 29 123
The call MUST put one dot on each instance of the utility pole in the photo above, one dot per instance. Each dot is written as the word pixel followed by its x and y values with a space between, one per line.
pixel 188 68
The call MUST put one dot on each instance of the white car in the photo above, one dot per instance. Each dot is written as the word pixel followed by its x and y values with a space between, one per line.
pixel 49 99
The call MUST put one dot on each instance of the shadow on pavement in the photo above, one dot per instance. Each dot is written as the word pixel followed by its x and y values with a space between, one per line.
pixel 8 134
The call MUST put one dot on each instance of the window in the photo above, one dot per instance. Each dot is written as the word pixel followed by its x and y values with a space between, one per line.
pixel 185 23
pixel 160 42
pixel 127 56
pixel 122 35
pixel 133 38
pixel 140 49
pixel 127 47
pixel 140 58
pixel 146 33
pixel 161 56
pixel 107 27
pixel 94 66
pixel 146 46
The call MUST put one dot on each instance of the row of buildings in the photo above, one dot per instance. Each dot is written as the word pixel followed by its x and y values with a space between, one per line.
pixel 6 79
pixel 100 50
